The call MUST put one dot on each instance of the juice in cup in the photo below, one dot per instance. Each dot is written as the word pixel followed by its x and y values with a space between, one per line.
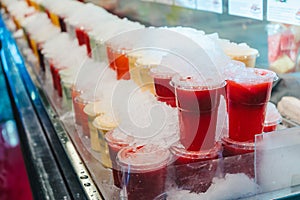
pixel 247 98
pixel 144 170
pixel 134 72
pixel 92 110
pixel 121 64
pixel 273 118
pixel 67 93
pixel 116 140
pixel 81 101
pixel 79 31
pixel 164 91
pixel 103 124
pixel 240 52
pixel 197 104
pixel 194 170
pixel 57 80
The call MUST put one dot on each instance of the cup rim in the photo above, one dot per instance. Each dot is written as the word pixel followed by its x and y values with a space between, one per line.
pixel 164 155
pixel 200 84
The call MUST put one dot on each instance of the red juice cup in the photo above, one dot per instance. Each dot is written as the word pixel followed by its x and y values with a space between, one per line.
pixel 87 43
pixel 57 80
pixel 80 35
pixel 273 118
pixel 144 170
pixel 121 64
pixel 197 104
pixel 164 91
pixel 194 170
pixel 247 96
pixel 115 143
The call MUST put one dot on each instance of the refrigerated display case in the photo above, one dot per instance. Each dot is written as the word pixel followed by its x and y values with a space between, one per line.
pixel 60 162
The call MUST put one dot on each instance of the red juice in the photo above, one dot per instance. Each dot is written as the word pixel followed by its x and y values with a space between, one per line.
pixel 57 80
pixel 52 68
pixel 198 114
pixel 194 170
pixel 114 146
pixel 246 109
pixel 269 128
pixel 121 65
pixel 145 170
pixel 80 35
pixel 164 91
pixel 87 43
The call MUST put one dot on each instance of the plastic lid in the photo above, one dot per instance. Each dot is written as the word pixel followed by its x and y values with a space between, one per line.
pixel 194 82
pixel 93 109
pixel 118 138
pixel 88 97
pixel 162 72
pixel 273 117
pixel 253 75
pixel 143 158
pixel 105 122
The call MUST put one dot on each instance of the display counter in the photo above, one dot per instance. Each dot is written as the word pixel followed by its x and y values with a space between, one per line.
pixel 62 164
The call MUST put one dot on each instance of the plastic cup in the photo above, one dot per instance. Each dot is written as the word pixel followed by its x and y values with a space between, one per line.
pixel 247 56
pixel 76 109
pixel 197 103
pixel 134 72
pixel 80 102
pixel 92 110
pixel 103 124
pixel 194 170
pixel 121 64
pixel 144 171
pixel 164 91
pixel 272 119
pixel 115 144
pixel 67 93
pixel 247 98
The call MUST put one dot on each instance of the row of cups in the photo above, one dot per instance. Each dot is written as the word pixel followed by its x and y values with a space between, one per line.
pixel 246 92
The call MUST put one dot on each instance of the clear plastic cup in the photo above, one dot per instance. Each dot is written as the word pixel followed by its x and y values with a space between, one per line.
pixel 120 63
pixel 143 65
pixel 80 102
pixel 115 142
pixel 92 110
pixel 164 91
pixel 195 165
pixel 240 52
pixel 144 170
pixel 67 93
pixel 272 119
pixel 197 102
pixel 248 92
pixel 103 124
